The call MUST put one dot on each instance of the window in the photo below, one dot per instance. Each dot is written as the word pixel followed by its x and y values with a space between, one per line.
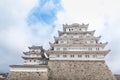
pixel 64 49
pixel 69 29
pixel 96 41
pixel 87 56
pixel 34 60
pixel 71 56
pixel 90 49
pixel 79 56
pixel 97 48
pixel 58 55
pixel 57 49
pixel 64 56
pixel 94 56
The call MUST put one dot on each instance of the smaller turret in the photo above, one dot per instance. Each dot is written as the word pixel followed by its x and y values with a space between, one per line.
pixel 35 56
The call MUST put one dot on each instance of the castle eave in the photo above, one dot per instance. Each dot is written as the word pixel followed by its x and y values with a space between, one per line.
pixel 79 52
pixel 26 57
pixel 76 32
pixel 84 38
pixel 78 45
pixel 35 47
pixel 75 25
pixel 29 66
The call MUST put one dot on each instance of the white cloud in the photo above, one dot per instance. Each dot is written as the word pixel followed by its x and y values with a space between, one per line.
pixel 14 32
pixel 41 34
pixel 16 35
pixel 13 12
pixel 85 11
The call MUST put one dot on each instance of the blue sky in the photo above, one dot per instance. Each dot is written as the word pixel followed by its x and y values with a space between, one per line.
pixel 34 22
pixel 45 12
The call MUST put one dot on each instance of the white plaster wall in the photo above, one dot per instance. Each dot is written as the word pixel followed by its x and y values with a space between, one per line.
pixel 36 50
pixel 83 57
pixel 75 29
pixel 62 42
pixel 32 55
pixel 77 49
pixel 25 69
pixel 32 62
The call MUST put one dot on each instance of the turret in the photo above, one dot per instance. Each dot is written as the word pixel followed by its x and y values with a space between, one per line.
pixel 35 56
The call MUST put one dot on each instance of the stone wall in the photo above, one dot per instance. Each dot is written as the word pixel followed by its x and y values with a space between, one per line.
pixel 79 70
pixel 117 76
pixel 27 76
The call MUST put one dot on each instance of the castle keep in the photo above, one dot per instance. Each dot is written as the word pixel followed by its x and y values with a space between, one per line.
pixel 76 54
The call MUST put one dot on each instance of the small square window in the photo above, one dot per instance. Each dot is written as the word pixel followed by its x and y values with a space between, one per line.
pixel 57 49
pixel 79 56
pixel 87 56
pixel 94 56
pixel 71 56
pixel 58 55
pixel 64 49
pixel 97 48
pixel 64 55
pixel 90 49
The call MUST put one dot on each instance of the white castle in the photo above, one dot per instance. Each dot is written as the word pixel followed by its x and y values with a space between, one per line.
pixel 75 55
pixel 79 44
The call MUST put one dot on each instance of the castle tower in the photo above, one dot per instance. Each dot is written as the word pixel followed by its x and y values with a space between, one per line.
pixel 77 55
pixel 34 68
pixel 35 56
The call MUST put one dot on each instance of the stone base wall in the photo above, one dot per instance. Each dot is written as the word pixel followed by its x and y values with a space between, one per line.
pixel 27 76
pixel 117 76
pixel 79 70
